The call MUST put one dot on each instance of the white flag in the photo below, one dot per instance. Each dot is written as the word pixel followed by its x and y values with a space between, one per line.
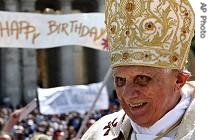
pixel 77 98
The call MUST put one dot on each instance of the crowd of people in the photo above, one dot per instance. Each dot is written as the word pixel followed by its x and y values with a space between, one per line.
pixel 57 127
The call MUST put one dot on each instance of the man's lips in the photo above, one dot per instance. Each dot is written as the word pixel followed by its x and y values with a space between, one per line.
pixel 137 105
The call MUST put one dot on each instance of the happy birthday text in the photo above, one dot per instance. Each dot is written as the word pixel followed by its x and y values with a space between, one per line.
pixel 25 30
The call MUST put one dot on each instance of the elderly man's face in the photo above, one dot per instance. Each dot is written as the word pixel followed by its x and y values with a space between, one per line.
pixel 146 93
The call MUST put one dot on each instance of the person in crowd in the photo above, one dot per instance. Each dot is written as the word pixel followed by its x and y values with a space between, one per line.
pixel 149 43
pixel 7 127
pixel 40 137
pixel 1 123
pixel 5 136
pixel 39 126
pixel 12 121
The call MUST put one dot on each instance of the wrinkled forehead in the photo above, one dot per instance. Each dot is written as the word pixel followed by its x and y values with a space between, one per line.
pixel 132 69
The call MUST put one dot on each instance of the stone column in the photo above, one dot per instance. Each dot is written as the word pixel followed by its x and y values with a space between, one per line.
pixel 10 75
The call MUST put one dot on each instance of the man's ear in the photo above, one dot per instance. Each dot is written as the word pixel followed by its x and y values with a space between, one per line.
pixel 182 77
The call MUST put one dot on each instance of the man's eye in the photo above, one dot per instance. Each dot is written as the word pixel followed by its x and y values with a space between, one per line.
pixel 120 81
pixel 142 80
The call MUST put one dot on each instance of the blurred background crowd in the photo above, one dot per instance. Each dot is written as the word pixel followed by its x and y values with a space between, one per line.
pixel 56 127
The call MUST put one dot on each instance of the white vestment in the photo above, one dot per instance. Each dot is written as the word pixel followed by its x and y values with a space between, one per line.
pixel 118 125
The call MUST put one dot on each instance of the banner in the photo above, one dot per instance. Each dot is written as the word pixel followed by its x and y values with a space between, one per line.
pixel 77 98
pixel 31 30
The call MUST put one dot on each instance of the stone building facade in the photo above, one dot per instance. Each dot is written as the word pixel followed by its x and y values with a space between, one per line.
pixel 23 70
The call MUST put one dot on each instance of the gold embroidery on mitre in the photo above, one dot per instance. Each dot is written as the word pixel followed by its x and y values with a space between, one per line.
pixel 125 56
pixel 113 29
pixel 151 33
pixel 149 26
pixel 130 6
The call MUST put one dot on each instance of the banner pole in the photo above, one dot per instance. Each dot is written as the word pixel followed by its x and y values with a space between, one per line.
pixel 84 122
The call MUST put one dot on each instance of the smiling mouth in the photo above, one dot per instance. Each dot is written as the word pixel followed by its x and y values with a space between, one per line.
pixel 138 105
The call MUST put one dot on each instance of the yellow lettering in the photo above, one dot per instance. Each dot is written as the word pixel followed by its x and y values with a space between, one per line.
pixel 78 28
pixel 85 31
pixel 6 28
pixel 35 36
pixel 15 28
pixel 64 26
pixel 52 27
pixel 72 25
pixel 103 31
pixel 93 32
pixel 26 28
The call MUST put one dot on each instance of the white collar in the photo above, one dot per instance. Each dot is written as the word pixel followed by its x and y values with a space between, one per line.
pixel 167 120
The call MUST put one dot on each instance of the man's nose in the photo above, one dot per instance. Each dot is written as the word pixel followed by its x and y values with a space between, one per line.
pixel 131 90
